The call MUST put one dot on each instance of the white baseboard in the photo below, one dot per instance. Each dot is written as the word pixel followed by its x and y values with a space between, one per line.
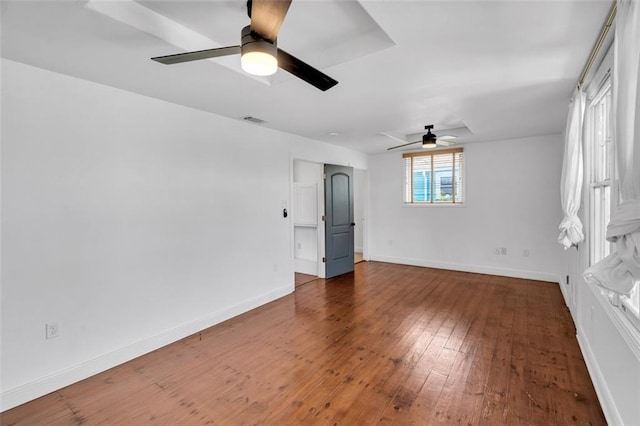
pixel 607 403
pixel 30 391
pixel 489 270
pixel 564 289
pixel 565 295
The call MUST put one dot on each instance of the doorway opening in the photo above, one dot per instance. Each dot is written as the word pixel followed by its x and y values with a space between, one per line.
pixel 308 208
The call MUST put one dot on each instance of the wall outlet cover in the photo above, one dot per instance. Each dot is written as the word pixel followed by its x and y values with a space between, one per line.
pixel 52 330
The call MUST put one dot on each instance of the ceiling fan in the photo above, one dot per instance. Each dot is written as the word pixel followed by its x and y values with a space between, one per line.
pixel 259 52
pixel 429 140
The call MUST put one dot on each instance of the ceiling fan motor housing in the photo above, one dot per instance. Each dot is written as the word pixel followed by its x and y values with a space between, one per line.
pixel 251 42
pixel 429 140
pixel 428 137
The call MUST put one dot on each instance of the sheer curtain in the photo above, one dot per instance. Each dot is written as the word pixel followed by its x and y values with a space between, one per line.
pixel 620 271
pixel 571 180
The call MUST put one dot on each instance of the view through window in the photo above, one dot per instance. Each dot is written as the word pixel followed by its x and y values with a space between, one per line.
pixel 434 177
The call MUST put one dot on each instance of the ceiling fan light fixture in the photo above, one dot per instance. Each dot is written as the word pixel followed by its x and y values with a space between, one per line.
pixel 259 56
pixel 429 140
pixel 259 63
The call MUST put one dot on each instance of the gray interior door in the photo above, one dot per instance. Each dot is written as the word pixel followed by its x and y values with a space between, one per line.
pixel 339 225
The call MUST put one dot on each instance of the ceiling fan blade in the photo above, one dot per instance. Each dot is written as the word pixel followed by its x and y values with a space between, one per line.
pixel 197 55
pixel 405 144
pixel 267 17
pixel 444 142
pixel 305 71
pixel 395 138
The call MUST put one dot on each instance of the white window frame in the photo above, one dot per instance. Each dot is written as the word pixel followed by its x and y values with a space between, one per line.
pixel 626 308
pixel 598 185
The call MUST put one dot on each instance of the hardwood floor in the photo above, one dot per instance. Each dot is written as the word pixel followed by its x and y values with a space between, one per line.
pixel 301 278
pixel 388 344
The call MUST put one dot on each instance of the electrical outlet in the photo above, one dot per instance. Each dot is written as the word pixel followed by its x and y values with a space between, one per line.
pixel 503 251
pixel 52 330
pixel 525 253
pixel 496 252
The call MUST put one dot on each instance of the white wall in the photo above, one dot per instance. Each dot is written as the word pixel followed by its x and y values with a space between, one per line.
pixel 131 222
pixel 512 201
pixel 360 191
pixel 307 238
pixel 611 348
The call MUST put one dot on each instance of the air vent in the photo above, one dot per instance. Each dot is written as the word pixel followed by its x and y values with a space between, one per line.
pixel 253 119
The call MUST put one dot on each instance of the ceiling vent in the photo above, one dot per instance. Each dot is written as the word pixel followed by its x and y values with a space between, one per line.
pixel 253 120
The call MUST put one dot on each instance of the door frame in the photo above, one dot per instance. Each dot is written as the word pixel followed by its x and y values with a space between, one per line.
pixel 363 222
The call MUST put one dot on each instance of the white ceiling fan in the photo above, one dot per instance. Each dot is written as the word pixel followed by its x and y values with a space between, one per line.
pixel 429 140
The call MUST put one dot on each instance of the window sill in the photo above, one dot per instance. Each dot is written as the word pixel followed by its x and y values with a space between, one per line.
pixel 436 205
pixel 628 312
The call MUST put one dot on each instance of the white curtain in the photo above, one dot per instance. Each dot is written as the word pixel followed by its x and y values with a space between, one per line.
pixel 571 180
pixel 620 271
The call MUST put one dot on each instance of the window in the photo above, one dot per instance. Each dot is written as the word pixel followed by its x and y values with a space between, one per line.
pixel 446 186
pixel 602 198
pixel 601 167
pixel 434 178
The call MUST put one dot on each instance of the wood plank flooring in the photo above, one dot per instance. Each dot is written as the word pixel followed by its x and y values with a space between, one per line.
pixel 301 278
pixel 387 344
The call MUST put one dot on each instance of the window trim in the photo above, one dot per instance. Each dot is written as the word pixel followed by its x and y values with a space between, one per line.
pixel 596 96
pixel 431 203
pixel 622 312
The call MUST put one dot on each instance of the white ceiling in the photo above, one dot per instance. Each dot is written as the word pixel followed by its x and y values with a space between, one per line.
pixel 504 68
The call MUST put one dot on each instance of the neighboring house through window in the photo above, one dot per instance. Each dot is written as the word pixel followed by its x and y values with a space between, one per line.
pixel 435 177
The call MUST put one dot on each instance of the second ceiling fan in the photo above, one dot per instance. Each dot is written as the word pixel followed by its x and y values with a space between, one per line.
pixel 260 54
pixel 429 140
